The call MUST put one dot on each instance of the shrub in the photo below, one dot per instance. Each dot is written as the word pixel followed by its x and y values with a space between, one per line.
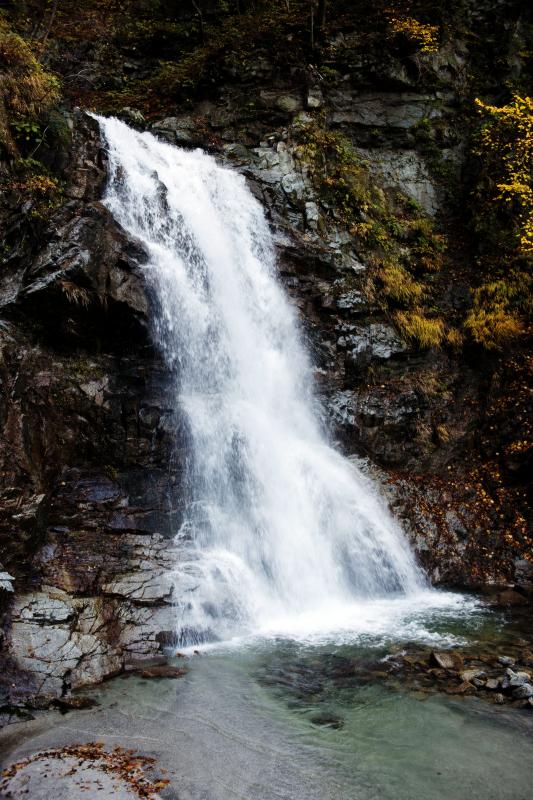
pixel 492 327
pixel 399 286
pixel 506 144
pixel 424 38
pixel 419 329
pixel 26 89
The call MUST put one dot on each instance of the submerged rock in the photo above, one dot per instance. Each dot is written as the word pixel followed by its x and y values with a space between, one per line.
pixel 327 721
pixel 446 660
pixel 163 671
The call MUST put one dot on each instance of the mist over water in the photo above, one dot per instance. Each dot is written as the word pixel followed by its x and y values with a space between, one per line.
pixel 281 532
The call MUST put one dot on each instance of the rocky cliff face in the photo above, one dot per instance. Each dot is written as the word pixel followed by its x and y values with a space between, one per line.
pixel 91 452
pixel 90 460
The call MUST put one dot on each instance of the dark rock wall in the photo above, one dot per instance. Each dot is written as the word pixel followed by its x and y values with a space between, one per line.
pixel 89 454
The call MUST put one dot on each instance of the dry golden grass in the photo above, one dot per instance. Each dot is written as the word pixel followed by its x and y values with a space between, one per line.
pixel 399 286
pixel 419 329
pixel 493 327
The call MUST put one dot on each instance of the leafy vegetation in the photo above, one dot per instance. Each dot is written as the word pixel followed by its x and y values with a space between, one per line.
pixel 27 90
pixel 417 328
pixel 506 144
pixel 503 218
pixel 424 38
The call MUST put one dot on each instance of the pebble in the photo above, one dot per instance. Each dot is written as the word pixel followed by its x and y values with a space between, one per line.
pixel 470 674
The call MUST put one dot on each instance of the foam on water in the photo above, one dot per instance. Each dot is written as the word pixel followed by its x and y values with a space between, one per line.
pixel 281 533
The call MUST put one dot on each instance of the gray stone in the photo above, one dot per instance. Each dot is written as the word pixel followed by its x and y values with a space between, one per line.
pixel 132 116
pixel 446 660
pixel 517 678
pixel 353 301
pixel 239 152
pixel 523 692
pixel 65 778
pixel 6 582
pixel 389 110
pixel 375 342
pixel 406 171
pixel 176 130
pixel 43 608
pixel 312 215
pixel 471 674
pixel 144 586
pixel 174 124
pixel 294 187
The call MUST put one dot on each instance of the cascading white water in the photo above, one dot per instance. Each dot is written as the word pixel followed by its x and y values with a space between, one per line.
pixel 278 524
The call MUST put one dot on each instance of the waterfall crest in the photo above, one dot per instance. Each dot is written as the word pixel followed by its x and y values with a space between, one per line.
pixel 277 522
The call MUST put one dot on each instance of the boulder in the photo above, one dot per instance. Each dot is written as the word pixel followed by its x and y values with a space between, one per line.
pixel 523 692
pixel 446 660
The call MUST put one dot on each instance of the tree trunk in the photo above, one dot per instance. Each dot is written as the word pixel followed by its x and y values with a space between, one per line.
pixel 321 16
pixel 198 10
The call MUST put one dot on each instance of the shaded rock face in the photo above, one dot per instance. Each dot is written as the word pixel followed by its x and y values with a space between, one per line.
pixel 89 445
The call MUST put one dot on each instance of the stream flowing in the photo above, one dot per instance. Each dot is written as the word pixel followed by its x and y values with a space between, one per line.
pixel 281 533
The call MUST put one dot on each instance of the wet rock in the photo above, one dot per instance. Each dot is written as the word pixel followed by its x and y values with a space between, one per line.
pixel 471 674
pixel 523 692
pixel 84 770
pixel 464 688
pixel 513 679
pixel 327 721
pixel 163 671
pixel 176 130
pixel 294 187
pixel 145 586
pixel 74 702
pixel 375 342
pixel 507 661
pixel 446 660
pixel 524 575
pixel 510 598
pixel 132 116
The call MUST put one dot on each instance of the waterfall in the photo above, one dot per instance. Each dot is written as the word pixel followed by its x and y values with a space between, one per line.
pixel 277 522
